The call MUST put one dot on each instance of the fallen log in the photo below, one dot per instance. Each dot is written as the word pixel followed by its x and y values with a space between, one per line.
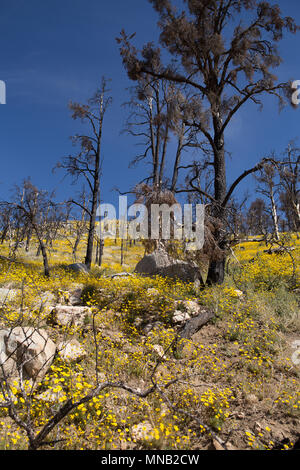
pixel 193 325
pixel 190 328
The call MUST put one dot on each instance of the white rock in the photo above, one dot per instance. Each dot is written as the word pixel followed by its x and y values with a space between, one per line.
pixel 29 348
pixel 70 315
pixel 159 350
pixel 71 351
pixel 192 307
pixel 7 295
pixel 239 293
pixel 180 317
pixel 152 291
pixel 8 365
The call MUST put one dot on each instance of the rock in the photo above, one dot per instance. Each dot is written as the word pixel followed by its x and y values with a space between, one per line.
pixel 78 268
pixel 71 351
pixel 218 446
pixel 238 415
pixel 142 431
pixel 69 315
pixel 75 296
pixel 180 317
pixel 49 396
pixel 29 348
pixel 7 295
pixel 138 321
pixel 152 291
pixel 45 303
pixel 159 263
pixel 192 307
pixel 239 293
pixel 8 365
pixel 147 328
pixel 113 276
pixel 159 350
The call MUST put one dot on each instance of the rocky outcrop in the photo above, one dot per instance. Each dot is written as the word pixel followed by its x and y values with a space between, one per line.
pixel 68 315
pixel 77 268
pixel 27 350
pixel 159 263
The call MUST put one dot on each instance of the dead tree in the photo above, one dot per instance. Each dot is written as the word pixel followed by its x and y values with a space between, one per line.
pixel 269 187
pixel 289 173
pixel 34 209
pixel 223 59
pixel 87 163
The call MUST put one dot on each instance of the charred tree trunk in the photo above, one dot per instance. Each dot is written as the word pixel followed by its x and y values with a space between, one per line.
pixel 91 233
pixel 45 259
pixel 28 239
pixel 216 271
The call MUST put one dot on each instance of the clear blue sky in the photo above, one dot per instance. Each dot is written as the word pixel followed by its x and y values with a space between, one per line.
pixel 56 51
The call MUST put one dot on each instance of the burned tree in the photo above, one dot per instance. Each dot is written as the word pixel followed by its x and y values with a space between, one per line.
pixel 158 114
pixel 33 211
pixel 224 61
pixel 87 163
pixel 258 220
pixel 268 187
pixel 289 173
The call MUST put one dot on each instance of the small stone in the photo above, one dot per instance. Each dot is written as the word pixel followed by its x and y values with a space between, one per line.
pixel 152 291
pixel 180 317
pixel 192 307
pixel 219 446
pixel 238 293
pixel 159 350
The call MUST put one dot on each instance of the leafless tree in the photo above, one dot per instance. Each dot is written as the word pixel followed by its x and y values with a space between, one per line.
pixel 289 173
pixel 87 163
pixel 158 114
pixel 268 186
pixel 76 223
pixel 34 210
pixel 258 220
pixel 223 59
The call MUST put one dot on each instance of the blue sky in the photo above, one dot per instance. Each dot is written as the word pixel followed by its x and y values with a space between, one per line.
pixel 56 51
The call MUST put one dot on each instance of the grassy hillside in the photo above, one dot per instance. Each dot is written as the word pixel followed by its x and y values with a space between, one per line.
pixel 234 381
